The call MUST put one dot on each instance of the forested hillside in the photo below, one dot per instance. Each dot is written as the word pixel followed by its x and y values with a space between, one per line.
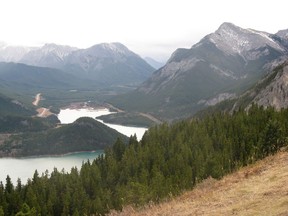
pixel 257 189
pixel 168 160
pixel 40 138
pixel 9 106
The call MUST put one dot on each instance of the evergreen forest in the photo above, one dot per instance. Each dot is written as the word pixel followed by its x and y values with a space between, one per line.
pixel 167 161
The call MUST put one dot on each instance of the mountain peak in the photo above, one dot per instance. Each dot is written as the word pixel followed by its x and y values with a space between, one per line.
pixel 227 25
pixel 111 50
pixel 115 47
pixel 49 47
pixel 206 73
pixel 234 40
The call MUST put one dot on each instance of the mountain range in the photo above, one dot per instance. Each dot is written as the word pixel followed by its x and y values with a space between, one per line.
pixel 109 64
pixel 221 66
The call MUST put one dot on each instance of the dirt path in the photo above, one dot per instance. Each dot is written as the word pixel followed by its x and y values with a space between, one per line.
pixel 43 112
pixel 259 189
pixel 110 106
pixel 37 99
pixel 152 118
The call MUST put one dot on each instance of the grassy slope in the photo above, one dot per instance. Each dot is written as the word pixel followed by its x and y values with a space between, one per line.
pixel 259 189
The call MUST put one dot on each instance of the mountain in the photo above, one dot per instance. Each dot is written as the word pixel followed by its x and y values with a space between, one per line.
pixel 50 55
pixel 13 53
pixel 111 64
pixel 283 34
pixel 221 65
pixel 85 134
pixel 155 64
pixel 107 64
pixel 271 91
pixel 23 82
pixel 275 92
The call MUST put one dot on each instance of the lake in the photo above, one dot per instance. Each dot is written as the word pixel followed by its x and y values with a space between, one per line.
pixel 67 116
pixel 24 168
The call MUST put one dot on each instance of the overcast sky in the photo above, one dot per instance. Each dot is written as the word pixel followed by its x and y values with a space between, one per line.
pixel 152 28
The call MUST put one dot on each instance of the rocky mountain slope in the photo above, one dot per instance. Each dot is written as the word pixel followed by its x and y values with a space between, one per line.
pixel 221 65
pixel 271 91
pixel 275 93
pixel 283 34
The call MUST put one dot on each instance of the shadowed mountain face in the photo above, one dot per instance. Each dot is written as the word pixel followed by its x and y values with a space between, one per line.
pixel 20 76
pixel 221 65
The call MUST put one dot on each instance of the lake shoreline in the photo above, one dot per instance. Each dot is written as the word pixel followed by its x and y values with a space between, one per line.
pixel 69 115
pixel 85 105
pixel 52 155
pixel 24 168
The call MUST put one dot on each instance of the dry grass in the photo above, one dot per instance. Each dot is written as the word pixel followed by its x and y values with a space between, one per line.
pixel 259 189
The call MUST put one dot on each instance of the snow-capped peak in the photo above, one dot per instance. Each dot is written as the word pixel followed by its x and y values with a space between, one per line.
pixel 116 48
pixel 234 40
pixel 12 53
pixel 111 50
pixel 59 50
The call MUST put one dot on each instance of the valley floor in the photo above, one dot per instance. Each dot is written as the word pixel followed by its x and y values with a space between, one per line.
pixel 259 189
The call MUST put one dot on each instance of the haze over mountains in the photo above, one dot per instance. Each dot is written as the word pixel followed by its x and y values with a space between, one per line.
pixel 107 64
pixel 220 66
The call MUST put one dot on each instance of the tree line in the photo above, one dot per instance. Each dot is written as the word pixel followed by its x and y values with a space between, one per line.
pixel 168 160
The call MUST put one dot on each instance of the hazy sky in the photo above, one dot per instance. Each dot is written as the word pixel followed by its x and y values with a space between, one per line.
pixel 152 28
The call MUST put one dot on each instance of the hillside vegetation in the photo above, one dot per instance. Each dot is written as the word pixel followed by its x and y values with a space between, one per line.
pixel 258 189
pixel 85 134
pixel 9 106
pixel 169 160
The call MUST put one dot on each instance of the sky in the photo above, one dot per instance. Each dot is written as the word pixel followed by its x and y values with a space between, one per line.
pixel 154 28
